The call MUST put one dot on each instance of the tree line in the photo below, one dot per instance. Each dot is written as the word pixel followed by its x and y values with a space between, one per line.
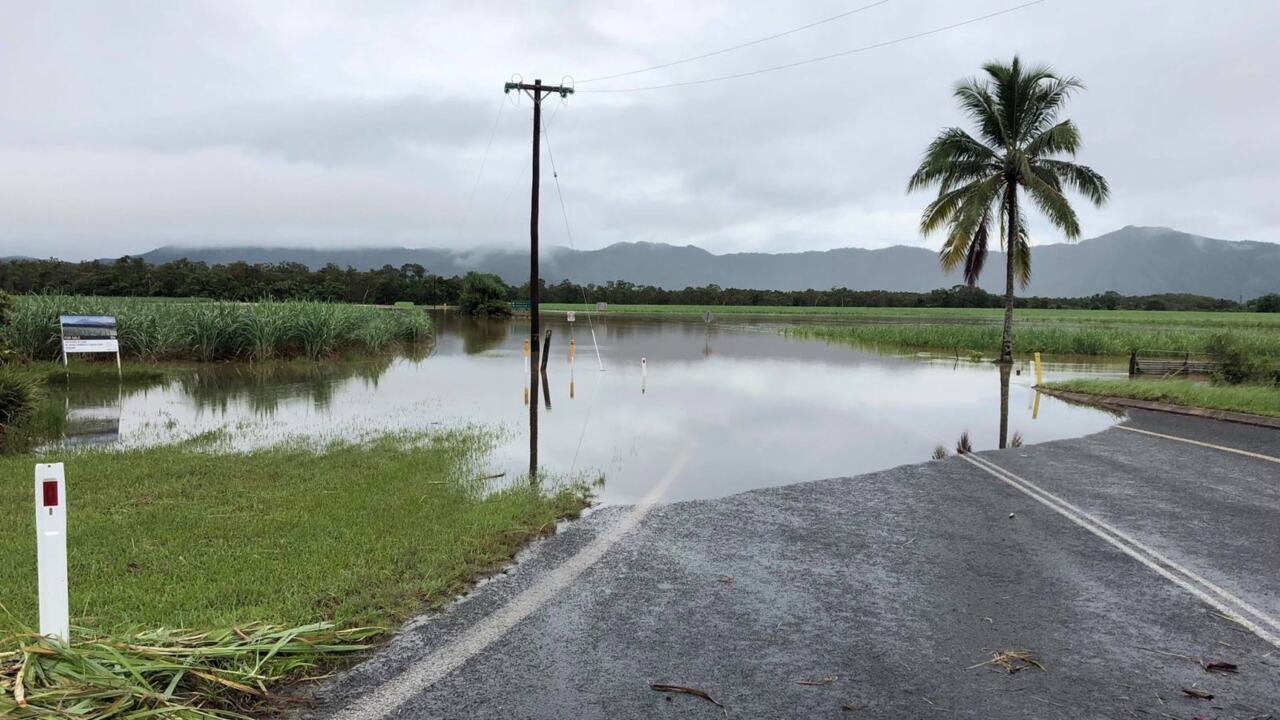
pixel 131 276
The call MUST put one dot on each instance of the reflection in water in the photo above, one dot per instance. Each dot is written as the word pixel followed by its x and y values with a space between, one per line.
pixel 760 408
pixel 91 424
pixel 1004 370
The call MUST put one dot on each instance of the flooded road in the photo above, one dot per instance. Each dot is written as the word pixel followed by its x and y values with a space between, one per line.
pixel 753 407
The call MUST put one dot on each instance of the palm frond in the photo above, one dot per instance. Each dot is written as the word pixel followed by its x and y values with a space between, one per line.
pixel 1051 202
pixel 980 105
pixel 954 157
pixel 1081 178
pixel 966 218
pixel 1062 138
pixel 1022 252
pixel 976 257
pixel 1045 101
pixel 1020 248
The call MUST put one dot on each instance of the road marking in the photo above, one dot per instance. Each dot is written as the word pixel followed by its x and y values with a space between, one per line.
pixel 1163 566
pixel 1189 441
pixel 388 697
pixel 1139 545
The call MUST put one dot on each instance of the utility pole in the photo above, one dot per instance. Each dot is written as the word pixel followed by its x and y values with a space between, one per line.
pixel 536 91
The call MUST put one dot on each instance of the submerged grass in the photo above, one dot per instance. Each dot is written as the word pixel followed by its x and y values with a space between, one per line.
pixel 1254 399
pixel 207 330
pixel 183 536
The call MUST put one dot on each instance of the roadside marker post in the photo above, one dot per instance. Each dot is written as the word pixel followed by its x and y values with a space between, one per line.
pixel 51 550
pixel 1039 376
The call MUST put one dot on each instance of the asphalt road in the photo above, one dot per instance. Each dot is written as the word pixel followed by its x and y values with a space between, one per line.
pixel 1123 562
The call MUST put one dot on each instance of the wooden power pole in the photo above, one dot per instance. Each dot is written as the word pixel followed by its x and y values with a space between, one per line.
pixel 537 91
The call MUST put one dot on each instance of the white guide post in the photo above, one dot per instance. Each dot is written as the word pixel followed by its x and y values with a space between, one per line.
pixel 51 550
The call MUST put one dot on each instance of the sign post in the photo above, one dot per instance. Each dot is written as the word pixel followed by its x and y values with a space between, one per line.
pixel 89 334
pixel 51 550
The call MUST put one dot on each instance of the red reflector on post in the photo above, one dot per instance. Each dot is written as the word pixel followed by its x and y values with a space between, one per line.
pixel 50 488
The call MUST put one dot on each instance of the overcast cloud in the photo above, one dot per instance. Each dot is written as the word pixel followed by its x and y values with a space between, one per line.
pixel 124 126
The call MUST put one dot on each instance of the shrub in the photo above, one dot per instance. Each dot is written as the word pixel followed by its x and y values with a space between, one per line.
pixel 19 395
pixel 484 295
pixel 6 316
pixel 1237 364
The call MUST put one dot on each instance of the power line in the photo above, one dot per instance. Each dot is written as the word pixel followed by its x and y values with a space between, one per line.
pixel 466 211
pixel 740 46
pixel 555 173
pixel 587 307
pixel 822 58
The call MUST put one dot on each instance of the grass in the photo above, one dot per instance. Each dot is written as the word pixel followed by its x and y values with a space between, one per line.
pixel 1062 339
pixel 1254 399
pixel 1151 318
pixel 226 673
pixel 279 559
pixel 970 331
pixel 179 536
pixel 209 331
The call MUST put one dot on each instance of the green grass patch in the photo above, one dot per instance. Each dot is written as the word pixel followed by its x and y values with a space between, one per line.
pixel 206 330
pixel 179 536
pixel 1254 399
pixel 279 560
pixel 1063 339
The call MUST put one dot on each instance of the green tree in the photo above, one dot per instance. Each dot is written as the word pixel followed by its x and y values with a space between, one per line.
pixel 1020 146
pixel 484 295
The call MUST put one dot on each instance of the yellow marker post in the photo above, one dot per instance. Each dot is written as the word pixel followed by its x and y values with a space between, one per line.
pixel 1039 375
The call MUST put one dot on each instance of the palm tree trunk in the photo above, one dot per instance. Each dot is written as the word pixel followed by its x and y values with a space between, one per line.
pixel 1011 239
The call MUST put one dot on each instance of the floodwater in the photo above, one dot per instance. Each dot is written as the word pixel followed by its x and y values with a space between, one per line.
pixel 747 406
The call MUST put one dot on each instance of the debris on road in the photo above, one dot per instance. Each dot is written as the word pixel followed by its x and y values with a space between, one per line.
pixel 1197 693
pixel 1221 666
pixel 1012 661
pixel 687 690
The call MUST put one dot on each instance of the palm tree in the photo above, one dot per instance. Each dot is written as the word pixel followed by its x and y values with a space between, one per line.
pixel 1021 144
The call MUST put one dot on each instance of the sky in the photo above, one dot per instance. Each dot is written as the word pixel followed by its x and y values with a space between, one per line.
pixel 126 126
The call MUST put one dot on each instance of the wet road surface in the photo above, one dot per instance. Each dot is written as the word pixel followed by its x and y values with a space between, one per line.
pixel 1122 561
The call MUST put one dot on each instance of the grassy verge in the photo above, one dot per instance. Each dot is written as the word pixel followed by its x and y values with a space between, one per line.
pixel 208 330
pixel 1254 399
pixel 355 535
pixel 1062 339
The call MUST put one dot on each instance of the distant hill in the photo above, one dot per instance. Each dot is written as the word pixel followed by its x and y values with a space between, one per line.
pixel 1132 261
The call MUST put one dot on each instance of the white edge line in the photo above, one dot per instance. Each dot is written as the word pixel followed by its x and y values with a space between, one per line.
pixel 388 697
pixel 1224 594
pixel 1026 487
pixel 1189 441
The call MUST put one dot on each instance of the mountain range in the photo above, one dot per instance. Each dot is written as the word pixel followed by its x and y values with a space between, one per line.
pixel 1131 260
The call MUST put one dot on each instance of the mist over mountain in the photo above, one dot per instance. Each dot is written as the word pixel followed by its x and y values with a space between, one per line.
pixel 1132 261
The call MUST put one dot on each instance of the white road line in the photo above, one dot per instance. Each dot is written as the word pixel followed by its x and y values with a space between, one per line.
pixel 1135 550
pixel 388 697
pixel 1189 441
pixel 1224 594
